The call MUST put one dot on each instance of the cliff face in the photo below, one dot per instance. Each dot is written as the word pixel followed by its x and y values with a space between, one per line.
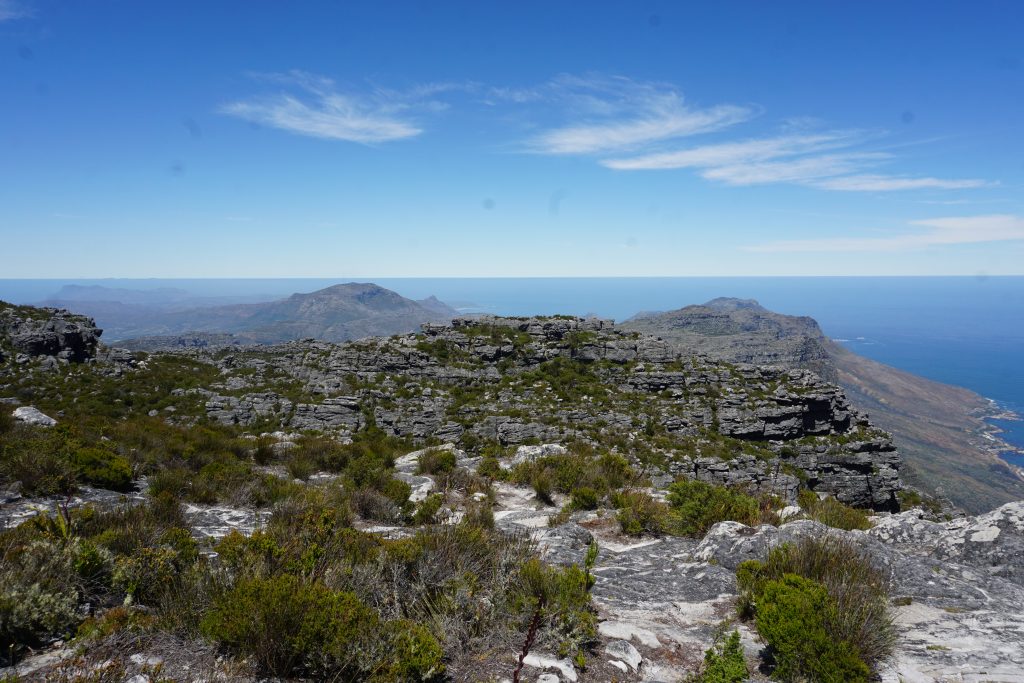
pixel 28 332
pixel 939 428
pixel 741 331
pixel 527 380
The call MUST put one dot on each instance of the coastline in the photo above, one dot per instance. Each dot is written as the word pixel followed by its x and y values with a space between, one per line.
pixel 992 432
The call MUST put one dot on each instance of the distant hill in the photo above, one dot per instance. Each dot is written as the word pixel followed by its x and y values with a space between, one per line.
pixel 337 313
pixel 741 330
pixel 939 428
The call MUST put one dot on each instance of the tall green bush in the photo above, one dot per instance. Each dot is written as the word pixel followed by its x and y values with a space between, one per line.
pixel 292 627
pixel 855 612
pixel 794 616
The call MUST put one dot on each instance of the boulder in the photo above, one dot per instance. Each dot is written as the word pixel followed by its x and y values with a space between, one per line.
pixel 33 416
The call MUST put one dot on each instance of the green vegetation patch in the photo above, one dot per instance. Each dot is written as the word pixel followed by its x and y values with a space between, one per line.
pixel 822 607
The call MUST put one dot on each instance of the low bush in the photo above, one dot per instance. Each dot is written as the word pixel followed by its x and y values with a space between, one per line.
pixel 859 614
pixel 257 555
pixel 115 620
pixel 596 477
pixel 831 512
pixel 436 461
pixel 301 466
pixel 144 575
pixel 39 458
pixel 794 616
pixel 554 603
pixel 638 513
pixel 371 504
pixel 426 511
pixel 696 506
pixel 102 468
pixel 38 592
pixel 292 627
pixel 412 654
pixel 724 662
pixel 584 498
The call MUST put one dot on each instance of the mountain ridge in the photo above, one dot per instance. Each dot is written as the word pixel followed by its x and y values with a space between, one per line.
pixel 940 428
pixel 336 313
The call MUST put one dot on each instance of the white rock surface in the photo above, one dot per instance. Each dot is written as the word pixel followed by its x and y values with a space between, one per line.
pixel 33 416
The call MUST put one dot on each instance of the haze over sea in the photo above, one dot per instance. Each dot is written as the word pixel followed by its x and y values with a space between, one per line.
pixel 967 331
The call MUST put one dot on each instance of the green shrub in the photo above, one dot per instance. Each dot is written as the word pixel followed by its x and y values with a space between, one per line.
pixel 185 547
pixel 584 498
pixel 292 627
pixel 92 564
pixel 831 512
pixel 479 514
pixel 638 513
pixel 697 506
pixel 724 663
pixel 413 654
pixel 490 467
pixel 543 483
pixel 911 498
pixel 560 598
pixel 7 421
pixel 426 511
pixel 371 504
pixel 571 472
pixel 793 616
pixel 40 458
pixel 862 617
pixel 38 593
pixel 29 613
pixel 436 461
pixel 102 468
pixel 249 556
pixel 144 575
pixel 115 620
pixel 174 481
pixel 301 466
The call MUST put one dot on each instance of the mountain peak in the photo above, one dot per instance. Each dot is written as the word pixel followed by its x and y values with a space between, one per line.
pixel 727 303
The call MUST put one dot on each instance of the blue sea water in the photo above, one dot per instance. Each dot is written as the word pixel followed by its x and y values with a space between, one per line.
pixel 967 331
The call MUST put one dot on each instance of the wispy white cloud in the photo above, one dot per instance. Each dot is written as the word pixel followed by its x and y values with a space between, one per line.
pixel 801 170
pixel 930 232
pixel 884 183
pixel 317 108
pixel 825 160
pixel 740 152
pixel 625 124
pixel 11 9
pixel 635 126
pixel 616 114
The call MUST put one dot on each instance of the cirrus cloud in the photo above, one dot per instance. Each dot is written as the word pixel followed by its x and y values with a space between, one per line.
pixel 315 107
pixel 10 10
pixel 618 114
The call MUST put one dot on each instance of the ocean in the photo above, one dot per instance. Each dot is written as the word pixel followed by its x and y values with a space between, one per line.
pixel 967 331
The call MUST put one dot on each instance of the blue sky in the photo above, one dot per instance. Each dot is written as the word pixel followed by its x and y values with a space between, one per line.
pixel 264 139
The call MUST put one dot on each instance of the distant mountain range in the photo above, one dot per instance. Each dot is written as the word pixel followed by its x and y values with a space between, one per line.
pixel 938 427
pixel 337 313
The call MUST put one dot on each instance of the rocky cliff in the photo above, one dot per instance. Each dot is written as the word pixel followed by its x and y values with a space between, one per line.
pixel 940 429
pixel 27 332
pixel 526 380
